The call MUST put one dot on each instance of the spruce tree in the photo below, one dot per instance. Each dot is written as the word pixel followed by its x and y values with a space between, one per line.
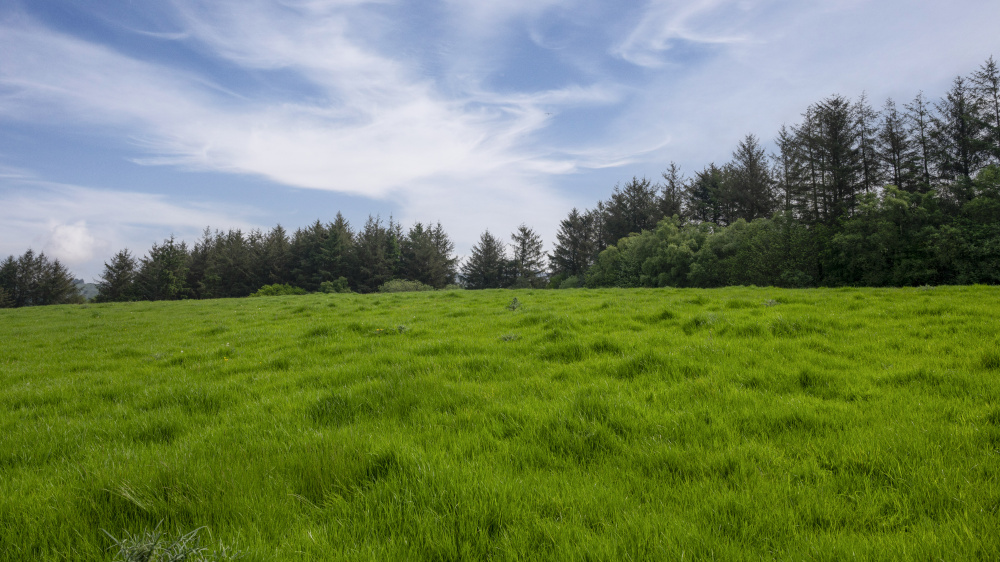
pixel 576 247
pixel 895 148
pixel 986 83
pixel 671 197
pixel 117 282
pixel 750 182
pixel 528 260
pixel 487 266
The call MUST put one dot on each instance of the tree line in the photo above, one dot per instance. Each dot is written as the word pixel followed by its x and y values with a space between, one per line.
pixel 853 195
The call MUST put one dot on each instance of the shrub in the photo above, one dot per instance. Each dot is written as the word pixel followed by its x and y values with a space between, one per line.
pixel 277 290
pixel 571 282
pixel 403 286
pixel 338 286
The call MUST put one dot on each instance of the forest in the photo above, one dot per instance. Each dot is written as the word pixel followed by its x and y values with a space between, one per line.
pixel 852 195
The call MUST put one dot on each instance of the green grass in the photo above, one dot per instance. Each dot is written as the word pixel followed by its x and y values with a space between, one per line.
pixel 735 424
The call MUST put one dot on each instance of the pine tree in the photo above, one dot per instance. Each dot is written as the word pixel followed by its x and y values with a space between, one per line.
pixel 750 182
pixel 528 259
pixel 705 195
pixel 956 134
pixel 631 209
pixel 671 194
pixel 895 148
pixel 427 256
pixel 788 172
pixel 487 266
pixel 920 121
pixel 374 248
pixel 117 282
pixel 986 82
pixel 576 246
pixel 33 280
pixel 163 272
pixel 867 128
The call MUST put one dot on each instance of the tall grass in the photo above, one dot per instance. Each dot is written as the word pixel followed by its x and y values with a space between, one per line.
pixel 739 424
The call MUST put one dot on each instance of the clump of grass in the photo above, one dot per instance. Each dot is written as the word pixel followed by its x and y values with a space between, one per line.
pixel 156 546
pixel 514 304
pixel 509 337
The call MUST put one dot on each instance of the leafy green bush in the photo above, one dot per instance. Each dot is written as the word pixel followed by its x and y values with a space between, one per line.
pixel 338 286
pixel 403 286
pixel 278 290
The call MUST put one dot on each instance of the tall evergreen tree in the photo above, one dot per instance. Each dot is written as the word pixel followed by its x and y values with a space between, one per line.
pixel 920 121
pixel 487 266
pixel 631 209
pixel 427 256
pixel 275 257
pixel 671 196
pixel 956 133
pixel 867 120
pixel 528 260
pixel 704 199
pixel 576 246
pixel 788 171
pixel 986 83
pixel 33 280
pixel 750 182
pixel 895 148
pixel 163 272
pixel 375 255
pixel 117 282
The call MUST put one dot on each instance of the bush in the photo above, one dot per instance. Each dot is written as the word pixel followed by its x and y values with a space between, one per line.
pixel 338 286
pixel 403 286
pixel 278 290
pixel 571 282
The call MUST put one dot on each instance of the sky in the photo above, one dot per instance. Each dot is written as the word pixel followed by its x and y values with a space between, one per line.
pixel 123 122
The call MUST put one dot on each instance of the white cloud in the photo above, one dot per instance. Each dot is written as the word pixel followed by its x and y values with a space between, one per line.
pixel 71 243
pixel 84 226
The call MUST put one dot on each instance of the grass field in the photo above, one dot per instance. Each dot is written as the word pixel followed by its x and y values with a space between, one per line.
pixel 733 424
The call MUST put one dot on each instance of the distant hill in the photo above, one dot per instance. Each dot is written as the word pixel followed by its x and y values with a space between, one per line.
pixel 88 290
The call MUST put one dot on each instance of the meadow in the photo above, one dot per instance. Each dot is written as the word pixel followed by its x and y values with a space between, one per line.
pixel 727 424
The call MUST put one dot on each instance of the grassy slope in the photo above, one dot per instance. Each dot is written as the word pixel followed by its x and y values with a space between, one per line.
pixel 736 423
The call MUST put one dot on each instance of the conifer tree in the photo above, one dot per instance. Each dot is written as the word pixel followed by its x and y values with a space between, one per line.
pixel 919 120
pixel 528 259
pixel 576 246
pixel 986 82
pixel 671 196
pixel 750 182
pixel 117 282
pixel 895 148
pixel 487 266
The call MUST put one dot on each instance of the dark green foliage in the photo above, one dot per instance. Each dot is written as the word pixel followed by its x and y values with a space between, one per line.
pixel 33 280
pixel 377 254
pixel 117 283
pixel 487 266
pixel 278 290
pixel 631 209
pixel 426 256
pixel 577 243
pixel 163 272
pixel 338 286
pixel 528 261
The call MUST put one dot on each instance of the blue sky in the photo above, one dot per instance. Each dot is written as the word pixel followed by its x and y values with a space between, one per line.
pixel 123 122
